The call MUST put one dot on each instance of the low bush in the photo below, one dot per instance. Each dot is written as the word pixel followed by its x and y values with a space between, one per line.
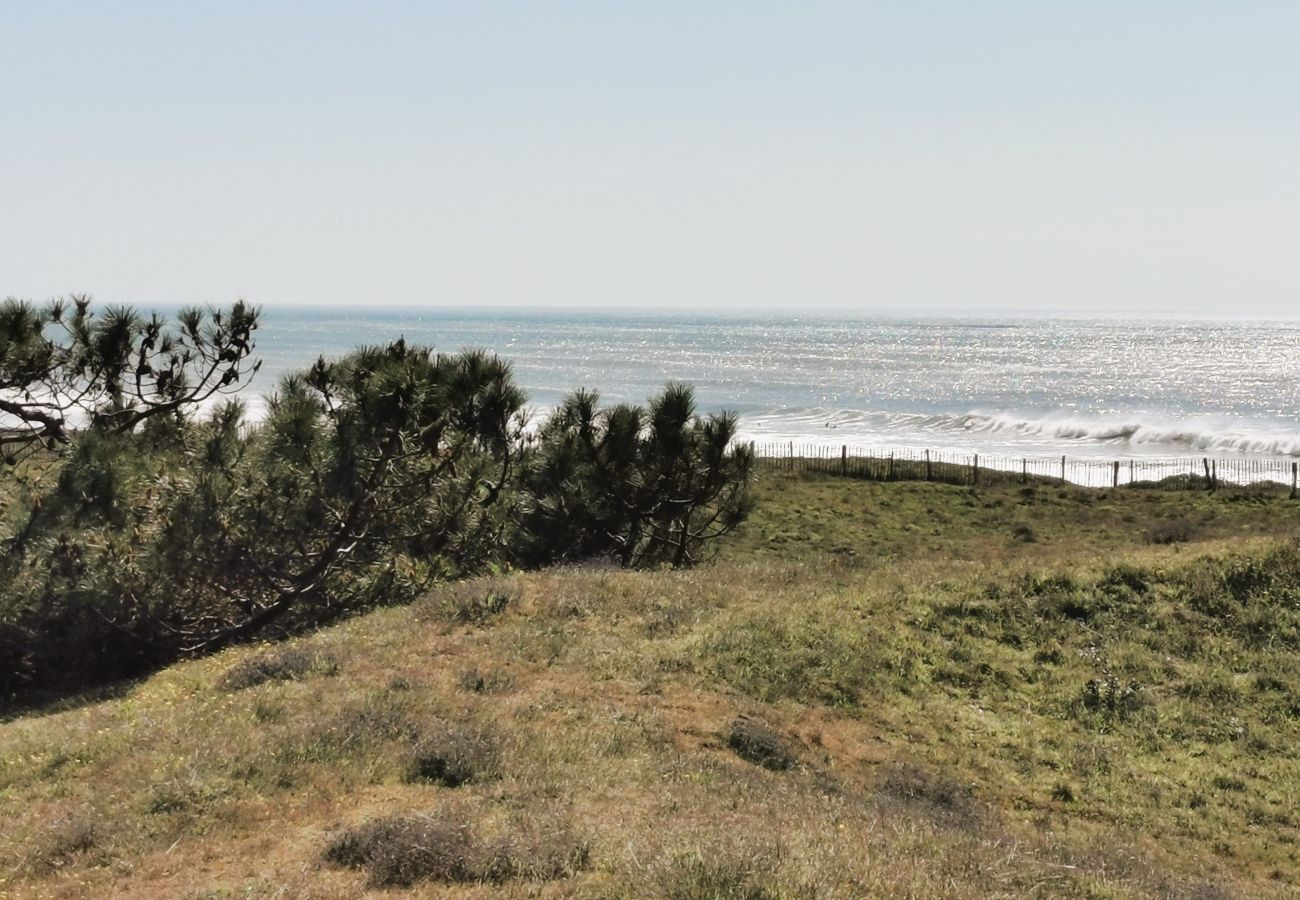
pixel 157 524
pixel 1025 534
pixel 755 742
pixel 447 846
pixel 1172 531
pixel 66 839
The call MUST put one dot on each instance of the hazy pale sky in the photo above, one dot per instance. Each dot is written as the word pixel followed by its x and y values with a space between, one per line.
pixel 1047 156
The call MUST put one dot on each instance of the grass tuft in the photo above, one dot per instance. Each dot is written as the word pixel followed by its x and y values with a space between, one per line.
pixel 452 755
pixel 696 878
pixel 486 680
pixel 446 846
pixel 472 602
pixel 929 792
pixel 288 663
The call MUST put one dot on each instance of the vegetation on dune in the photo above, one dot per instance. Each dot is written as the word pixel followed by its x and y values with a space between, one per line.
pixel 153 530
pixel 876 690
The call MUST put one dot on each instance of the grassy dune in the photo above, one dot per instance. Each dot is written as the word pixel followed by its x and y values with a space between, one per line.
pixel 876 690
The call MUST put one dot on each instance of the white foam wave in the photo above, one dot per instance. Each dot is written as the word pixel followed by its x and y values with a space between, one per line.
pixel 1203 436
pixel 1129 434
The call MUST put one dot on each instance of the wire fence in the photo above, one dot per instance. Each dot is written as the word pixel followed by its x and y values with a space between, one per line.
pixel 915 464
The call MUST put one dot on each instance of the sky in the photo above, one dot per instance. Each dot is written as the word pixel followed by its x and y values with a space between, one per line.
pixel 1037 156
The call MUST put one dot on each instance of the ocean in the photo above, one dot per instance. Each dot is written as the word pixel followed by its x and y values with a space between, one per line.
pixel 1103 388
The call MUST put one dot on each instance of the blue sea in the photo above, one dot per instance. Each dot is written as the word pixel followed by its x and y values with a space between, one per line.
pixel 1105 388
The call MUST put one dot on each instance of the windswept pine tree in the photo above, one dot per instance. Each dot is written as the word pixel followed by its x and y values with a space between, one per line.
pixel 369 477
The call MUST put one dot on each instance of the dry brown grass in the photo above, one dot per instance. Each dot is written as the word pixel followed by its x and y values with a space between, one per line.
pixel 942 741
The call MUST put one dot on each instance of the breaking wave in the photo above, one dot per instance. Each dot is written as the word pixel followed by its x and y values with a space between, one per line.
pixel 1173 435
pixel 1128 434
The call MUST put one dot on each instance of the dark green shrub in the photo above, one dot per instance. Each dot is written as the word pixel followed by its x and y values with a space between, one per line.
pixel 644 486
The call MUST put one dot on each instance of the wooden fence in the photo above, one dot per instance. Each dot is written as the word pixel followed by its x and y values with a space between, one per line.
pixel 912 464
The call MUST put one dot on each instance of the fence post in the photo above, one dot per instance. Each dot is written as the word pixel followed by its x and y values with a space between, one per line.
pixel 1063 469
pixel 1293 478
pixel 1114 479
pixel 844 459
pixel 927 466
pixel 1209 482
pixel 975 470
pixel 891 465
pixel 1130 471
pixel 1214 474
pixel 792 456
pixel 1024 470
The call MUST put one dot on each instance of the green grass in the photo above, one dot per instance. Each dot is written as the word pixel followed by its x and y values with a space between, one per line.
pixel 1002 691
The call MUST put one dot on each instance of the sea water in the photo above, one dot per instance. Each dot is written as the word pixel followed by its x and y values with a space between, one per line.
pixel 1105 388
